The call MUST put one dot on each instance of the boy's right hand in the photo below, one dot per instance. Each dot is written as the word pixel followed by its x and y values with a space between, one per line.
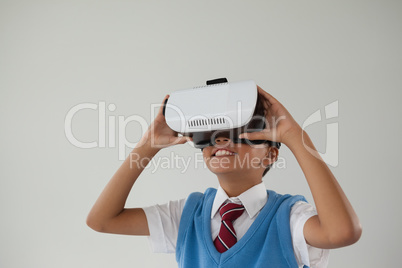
pixel 159 135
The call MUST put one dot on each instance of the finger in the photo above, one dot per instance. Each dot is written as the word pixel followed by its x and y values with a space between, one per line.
pixel 265 102
pixel 163 104
pixel 258 135
pixel 268 96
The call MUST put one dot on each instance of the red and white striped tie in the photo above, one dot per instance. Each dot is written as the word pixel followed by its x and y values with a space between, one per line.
pixel 227 235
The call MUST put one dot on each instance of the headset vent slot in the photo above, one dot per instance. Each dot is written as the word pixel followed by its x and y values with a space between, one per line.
pixel 211 85
pixel 206 122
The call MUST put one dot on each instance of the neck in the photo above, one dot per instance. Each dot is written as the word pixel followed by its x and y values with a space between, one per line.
pixel 234 185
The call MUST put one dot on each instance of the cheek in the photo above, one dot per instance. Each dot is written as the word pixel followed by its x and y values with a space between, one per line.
pixel 206 154
pixel 250 158
pixel 251 154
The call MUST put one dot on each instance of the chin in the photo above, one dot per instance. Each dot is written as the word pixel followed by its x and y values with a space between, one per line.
pixel 221 170
pixel 216 172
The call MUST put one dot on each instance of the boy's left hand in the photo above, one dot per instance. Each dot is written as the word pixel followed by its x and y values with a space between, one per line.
pixel 280 125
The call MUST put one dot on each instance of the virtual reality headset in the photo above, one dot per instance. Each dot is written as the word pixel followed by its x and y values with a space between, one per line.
pixel 219 109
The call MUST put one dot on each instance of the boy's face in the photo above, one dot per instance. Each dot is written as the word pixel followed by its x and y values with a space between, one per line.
pixel 241 159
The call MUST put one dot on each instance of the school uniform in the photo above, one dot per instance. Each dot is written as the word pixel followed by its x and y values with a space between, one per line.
pixel 193 223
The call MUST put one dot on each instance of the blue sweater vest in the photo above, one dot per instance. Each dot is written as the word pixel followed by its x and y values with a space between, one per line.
pixel 267 243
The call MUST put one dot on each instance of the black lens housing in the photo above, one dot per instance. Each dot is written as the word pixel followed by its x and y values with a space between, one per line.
pixel 242 141
pixel 256 123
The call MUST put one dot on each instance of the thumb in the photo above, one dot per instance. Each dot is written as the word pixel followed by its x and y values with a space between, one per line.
pixel 180 140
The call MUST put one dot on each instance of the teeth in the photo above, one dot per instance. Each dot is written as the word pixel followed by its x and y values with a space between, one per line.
pixel 223 152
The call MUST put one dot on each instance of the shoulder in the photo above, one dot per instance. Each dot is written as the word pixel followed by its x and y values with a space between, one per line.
pixel 303 207
pixel 196 197
pixel 286 199
pixel 207 192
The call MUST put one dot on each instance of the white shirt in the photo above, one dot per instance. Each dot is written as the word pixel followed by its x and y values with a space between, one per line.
pixel 163 223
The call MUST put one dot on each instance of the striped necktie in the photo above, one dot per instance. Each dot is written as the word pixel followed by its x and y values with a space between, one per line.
pixel 227 235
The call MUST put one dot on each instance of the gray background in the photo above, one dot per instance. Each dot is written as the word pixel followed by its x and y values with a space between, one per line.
pixel 57 54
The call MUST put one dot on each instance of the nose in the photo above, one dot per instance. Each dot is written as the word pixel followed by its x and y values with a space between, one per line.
pixel 220 140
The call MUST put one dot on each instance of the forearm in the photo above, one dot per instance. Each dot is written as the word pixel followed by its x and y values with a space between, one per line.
pixel 112 200
pixel 337 219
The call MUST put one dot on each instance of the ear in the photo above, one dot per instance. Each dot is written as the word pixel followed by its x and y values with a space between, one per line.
pixel 271 156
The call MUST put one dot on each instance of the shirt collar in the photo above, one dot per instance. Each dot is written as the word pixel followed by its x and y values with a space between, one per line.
pixel 253 199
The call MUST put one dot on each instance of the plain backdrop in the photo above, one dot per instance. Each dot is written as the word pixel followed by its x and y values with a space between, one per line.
pixel 55 55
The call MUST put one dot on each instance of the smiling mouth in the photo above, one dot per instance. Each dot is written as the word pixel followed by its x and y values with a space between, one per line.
pixel 220 153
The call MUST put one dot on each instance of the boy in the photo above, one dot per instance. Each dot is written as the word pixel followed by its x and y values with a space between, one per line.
pixel 241 224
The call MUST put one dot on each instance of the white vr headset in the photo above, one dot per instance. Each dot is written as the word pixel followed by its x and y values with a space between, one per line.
pixel 217 109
